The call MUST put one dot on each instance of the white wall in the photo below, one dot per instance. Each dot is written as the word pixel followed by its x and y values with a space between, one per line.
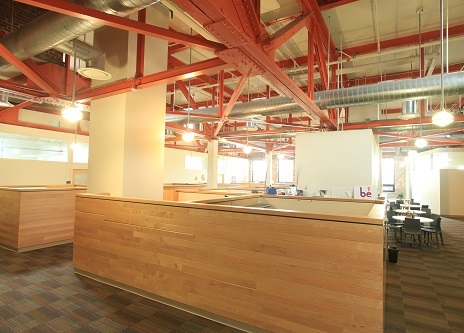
pixel 452 192
pixel 335 160
pixel 27 172
pixel 174 167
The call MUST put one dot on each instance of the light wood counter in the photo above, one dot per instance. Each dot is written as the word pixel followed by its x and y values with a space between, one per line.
pixel 32 217
pixel 271 269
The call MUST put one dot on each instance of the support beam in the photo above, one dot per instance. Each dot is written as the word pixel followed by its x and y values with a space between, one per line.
pixel 186 92
pixel 71 9
pixel 238 90
pixel 33 74
pixel 285 33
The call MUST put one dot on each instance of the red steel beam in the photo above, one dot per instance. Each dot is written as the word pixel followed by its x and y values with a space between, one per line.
pixel 238 90
pixel 171 75
pixel 455 31
pixel 285 33
pixel 31 73
pixel 186 94
pixel 140 64
pixel 326 5
pixel 310 61
pixel 71 9
pixel 394 122
pixel 20 89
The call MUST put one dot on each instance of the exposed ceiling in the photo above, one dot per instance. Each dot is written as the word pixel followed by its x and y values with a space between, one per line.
pixel 370 42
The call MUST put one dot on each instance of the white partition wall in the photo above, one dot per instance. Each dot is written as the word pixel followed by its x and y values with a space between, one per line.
pixel 336 161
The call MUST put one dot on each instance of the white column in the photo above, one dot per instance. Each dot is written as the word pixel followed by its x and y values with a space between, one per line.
pixel 268 180
pixel 212 163
pixel 126 142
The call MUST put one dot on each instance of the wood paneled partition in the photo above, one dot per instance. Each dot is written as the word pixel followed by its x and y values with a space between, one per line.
pixel 34 217
pixel 280 271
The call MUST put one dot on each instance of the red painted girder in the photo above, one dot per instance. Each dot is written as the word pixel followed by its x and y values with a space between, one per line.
pixel 326 5
pixel 434 35
pixel 71 9
pixel 171 75
pixel 249 18
pixel 310 58
pixel 221 93
pixel 140 63
pixel 285 33
pixel 312 7
pixel 182 129
pixel 29 72
pixel 244 134
pixel 248 55
pixel 393 122
pixel 238 90
pixel 255 147
pixel 321 61
pixel 20 89
pixel 205 78
pixel 185 92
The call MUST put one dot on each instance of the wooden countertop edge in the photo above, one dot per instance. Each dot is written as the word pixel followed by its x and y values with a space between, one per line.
pixel 41 189
pixel 249 210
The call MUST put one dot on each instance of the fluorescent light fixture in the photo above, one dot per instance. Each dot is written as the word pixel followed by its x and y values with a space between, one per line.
pixel 72 113
pixel 442 118
pixel 420 143
pixel 247 149
pixel 188 136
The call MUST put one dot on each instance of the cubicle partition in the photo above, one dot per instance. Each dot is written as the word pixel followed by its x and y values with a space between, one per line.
pixel 33 217
pixel 242 261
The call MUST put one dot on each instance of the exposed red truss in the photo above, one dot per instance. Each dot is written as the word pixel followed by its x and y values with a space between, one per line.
pixel 71 9
pixel 171 75
pixel 285 33
pixel 394 122
pixel 140 63
pixel 186 93
pixel 30 70
pixel 328 4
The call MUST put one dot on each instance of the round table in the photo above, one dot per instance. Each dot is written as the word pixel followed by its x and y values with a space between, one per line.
pixel 406 211
pixel 422 219
pixel 409 206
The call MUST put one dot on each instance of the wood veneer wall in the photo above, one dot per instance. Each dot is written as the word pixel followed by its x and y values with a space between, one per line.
pixel 36 218
pixel 279 271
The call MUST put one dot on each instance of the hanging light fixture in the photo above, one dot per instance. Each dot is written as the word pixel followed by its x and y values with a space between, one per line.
pixel 188 136
pixel 75 145
pixel 73 112
pixel 279 155
pixel 247 149
pixel 442 118
pixel 420 142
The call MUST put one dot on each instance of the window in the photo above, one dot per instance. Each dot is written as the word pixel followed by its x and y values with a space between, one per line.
pixel 193 163
pixel 285 171
pixel 23 147
pixel 258 171
pixel 388 175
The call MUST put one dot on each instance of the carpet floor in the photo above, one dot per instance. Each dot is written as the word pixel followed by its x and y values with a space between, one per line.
pixel 39 292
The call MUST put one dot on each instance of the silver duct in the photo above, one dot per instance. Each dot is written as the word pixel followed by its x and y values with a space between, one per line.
pixel 52 29
pixel 94 58
pixel 409 110
pixel 383 92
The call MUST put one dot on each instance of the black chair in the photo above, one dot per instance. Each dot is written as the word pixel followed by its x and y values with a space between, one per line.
pixel 394 224
pixel 424 207
pixel 394 206
pixel 414 208
pixel 434 228
pixel 412 227
pixel 399 201
pixel 428 212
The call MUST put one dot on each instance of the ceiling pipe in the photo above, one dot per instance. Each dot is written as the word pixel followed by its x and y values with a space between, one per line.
pixel 383 92
pixel 52 29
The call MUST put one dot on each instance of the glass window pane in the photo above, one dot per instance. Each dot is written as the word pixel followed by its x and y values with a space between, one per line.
pixel 258 171
pixel 285 171
pixel 80 152
pixel 388 175
pixel 23 147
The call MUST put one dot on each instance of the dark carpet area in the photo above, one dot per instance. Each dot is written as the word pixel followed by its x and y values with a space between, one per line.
pixel 425 289
pixel 39 292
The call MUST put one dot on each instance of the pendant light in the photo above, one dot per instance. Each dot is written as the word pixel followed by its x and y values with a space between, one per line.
pixel 279 155
pixel 188 136
pixel 247 149
pixel 73 112
pixel 442 117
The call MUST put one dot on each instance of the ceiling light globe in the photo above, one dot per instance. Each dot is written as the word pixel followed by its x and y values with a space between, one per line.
pixel 442 118
pixel 247 149
pixel 280 156
pixel 72 113
pixel 420 143
pixel 188 136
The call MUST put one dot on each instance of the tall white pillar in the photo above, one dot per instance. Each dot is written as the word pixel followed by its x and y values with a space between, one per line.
pixel 212 163
pixel 268 180
pixel 126 142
